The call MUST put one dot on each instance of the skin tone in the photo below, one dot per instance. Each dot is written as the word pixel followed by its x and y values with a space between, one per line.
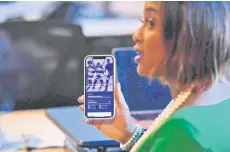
pixel 150 42
pixel 149 39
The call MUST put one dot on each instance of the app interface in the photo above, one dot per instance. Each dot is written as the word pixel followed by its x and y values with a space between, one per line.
pixel 99 82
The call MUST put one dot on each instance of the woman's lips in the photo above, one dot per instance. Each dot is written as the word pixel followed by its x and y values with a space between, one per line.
pixel 139 56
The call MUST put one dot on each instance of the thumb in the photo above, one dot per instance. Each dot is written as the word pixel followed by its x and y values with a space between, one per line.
pixel 120 100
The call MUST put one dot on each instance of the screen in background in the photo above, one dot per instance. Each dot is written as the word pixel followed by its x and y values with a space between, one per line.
pixel 39 67
pixel 99 82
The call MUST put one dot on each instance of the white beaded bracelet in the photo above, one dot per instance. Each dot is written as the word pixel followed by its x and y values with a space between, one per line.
pixel 137 134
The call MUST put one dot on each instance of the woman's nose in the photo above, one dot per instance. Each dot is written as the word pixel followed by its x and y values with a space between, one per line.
pixel 137 36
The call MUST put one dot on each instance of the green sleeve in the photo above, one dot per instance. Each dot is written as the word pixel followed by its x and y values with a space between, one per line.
pixel 176 135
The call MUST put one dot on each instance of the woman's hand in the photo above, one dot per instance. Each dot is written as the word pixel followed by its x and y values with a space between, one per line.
pixel 121 127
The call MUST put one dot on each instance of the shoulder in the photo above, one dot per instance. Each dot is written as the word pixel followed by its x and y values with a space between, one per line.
pixel 174 135
pixel 189 130
pixel 178 125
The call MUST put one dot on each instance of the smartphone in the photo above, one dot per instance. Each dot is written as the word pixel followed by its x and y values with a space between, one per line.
pixel 99 86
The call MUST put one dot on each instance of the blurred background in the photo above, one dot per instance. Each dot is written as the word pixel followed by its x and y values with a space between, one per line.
pixel 42 45
pixel 68 11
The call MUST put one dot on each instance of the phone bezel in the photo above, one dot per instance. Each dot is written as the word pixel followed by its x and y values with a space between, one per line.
pixel 114 83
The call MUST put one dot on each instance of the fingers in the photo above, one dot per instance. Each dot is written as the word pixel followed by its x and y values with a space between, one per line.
pixel 120 100
pixel 82 108
pixel 93 122
pixel 98 123
pixel 81 99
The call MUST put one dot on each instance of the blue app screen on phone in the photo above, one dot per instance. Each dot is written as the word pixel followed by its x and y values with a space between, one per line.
pixel 99 86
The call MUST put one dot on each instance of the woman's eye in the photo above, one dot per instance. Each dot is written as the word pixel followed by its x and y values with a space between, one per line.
pixel 150 22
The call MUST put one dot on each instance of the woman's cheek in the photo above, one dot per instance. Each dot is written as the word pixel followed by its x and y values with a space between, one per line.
pixel 154 45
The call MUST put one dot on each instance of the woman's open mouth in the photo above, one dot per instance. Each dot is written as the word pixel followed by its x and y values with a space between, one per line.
pixel 138 56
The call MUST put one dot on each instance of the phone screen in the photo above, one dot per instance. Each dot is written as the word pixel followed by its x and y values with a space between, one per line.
pixel 99 86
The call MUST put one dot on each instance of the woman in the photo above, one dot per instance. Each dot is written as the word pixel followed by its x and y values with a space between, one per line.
pixel 187 46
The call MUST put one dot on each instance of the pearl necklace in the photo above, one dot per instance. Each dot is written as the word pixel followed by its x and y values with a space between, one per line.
pixel 167 112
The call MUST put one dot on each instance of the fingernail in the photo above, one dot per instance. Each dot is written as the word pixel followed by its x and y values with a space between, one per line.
pixel 79 98
pixel 84 120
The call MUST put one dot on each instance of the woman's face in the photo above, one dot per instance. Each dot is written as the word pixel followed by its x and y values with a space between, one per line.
pixel 149 40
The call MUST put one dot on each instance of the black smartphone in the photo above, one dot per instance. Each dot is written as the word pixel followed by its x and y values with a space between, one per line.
pixel 99 86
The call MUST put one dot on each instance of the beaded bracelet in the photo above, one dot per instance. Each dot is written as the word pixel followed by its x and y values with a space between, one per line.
pixel 139 131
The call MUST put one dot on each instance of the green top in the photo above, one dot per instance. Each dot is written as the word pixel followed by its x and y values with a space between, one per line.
pixel 193 129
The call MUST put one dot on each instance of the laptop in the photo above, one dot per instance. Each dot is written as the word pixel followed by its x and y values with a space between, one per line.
pixel 78 134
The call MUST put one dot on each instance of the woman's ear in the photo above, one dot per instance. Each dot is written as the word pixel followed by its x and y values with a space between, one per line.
pixel 202 85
